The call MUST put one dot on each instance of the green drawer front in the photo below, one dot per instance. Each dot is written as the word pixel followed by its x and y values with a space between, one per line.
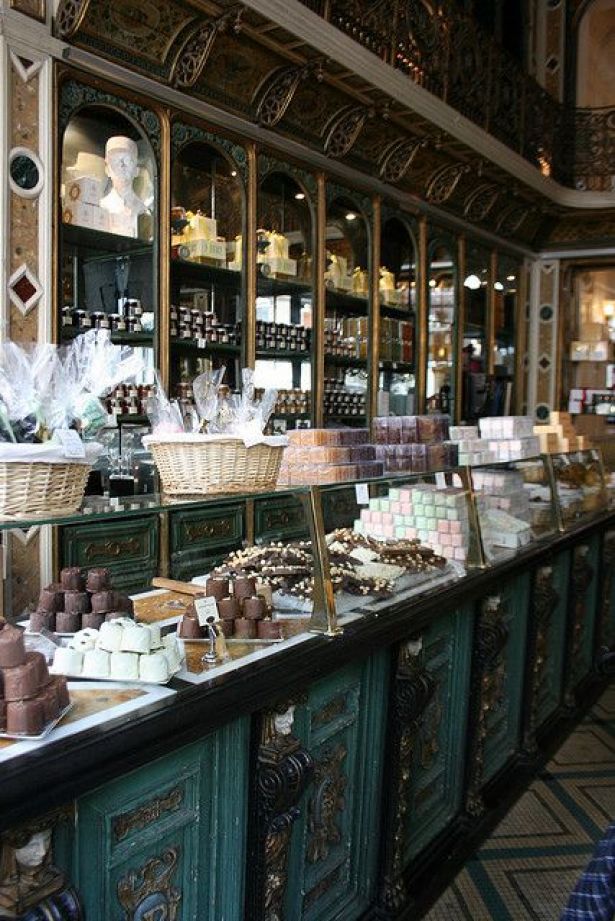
pixel 167 841
pixel 339 508
pixel 503 719
pixel 129 548
pixel 202 540
pixel 438 762
pixel 280 519
pixel 332 867
pixel 551 647
pixel 583 607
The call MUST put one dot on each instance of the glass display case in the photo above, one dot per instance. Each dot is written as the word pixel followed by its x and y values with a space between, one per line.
pixel 476 292
pixel 515 505
pixel 441 325
pixel 580 486
pixel 284 304
pixel 398 293
pixel 207 253
pixel 347 311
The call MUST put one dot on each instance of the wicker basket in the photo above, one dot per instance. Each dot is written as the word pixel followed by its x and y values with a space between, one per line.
pixel 41 490
pixel 193 465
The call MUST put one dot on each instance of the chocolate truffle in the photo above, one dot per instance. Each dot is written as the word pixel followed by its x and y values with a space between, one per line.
pixel 71 579
pixel 123 603
pixel 217 588
pixel 40 663
pixel 76 602
pixel 253 608
pixel 2 715
pixel 103 602
pixel 98 580
pixel 42 620
pixel 59 682
pixel 115 615
pixel 269 630
pixel 93 620
pixel 244 587
pixel 67 622
pixel 21 682
pixel 25 717
pixel 244 628
pixel 189 628
pixel 12 648
pixel 228 608
pixel 227 627
pixel 51 598
pixel 51 704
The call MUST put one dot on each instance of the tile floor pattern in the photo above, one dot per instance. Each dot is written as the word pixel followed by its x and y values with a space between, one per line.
pixel 526 869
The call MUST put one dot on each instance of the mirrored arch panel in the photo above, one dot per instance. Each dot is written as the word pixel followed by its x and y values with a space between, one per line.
pixel 441 324
pixel 477 283
pixel 506 306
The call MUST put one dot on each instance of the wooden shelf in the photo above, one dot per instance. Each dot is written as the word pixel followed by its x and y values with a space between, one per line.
pixel 283 355
pixel 98 240
pixel 146 339
pixel 200 273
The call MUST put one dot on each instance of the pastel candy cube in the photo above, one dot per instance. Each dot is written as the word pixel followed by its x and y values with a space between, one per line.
pixel 444 527
pixel 385 505
pixel 394 493
pixel 431 523
pixel 388 531
pixel 459 554
pixel 405 508
pixel 440 498
pixel 376 517
pixel 446 540
pixel 387 518
pixel 410 534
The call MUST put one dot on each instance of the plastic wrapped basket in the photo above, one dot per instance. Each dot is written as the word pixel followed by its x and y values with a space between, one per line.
pixel 197 464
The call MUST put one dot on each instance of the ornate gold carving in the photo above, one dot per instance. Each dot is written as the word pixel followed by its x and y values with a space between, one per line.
pixel 544 602
pixel 219 527
pixel 195 51
pixel 443 182
pixel 112 548
pixel 480 202
pixel 144 815
pixel 278 90
pixel 399 156
pixel 149 890
pixel 69 16
pixel 345 128
pixel 326 804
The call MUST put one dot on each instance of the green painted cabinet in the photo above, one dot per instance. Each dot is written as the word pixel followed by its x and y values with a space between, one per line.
pixel 549 607
pixel 437 756
pixel 168 840
pixel 280 519
pixel 128 547
pixel 583 603
pixel 200 540
pixel 332 865
pixel 606 611
pixel 502 692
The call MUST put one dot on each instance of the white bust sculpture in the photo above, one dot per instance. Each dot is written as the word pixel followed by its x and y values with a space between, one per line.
pixel 283 722
pixel 122 202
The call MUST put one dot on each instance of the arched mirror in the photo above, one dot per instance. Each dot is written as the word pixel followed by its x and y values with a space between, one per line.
pixel 476 293
pixel 398 290
pixel 284 249
pixel 347 285
pixel 441 328
pixel 207 297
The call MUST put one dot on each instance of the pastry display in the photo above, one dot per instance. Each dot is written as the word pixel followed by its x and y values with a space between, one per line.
pixel 122 650
pixel 435 516
pixel 30 698
pixel 240 614
pixel 328 456
pixel 80 599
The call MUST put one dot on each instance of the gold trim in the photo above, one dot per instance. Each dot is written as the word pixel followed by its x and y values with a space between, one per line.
pixel 490 318
pixel 422 315
pixel 460 299
pixel 519 383
pixel 249 324
pixel 250 523
pixel 319 307
pixel 164 549
pixel 374 312
pixel 56 272
pixel 324 614
pixel 164 251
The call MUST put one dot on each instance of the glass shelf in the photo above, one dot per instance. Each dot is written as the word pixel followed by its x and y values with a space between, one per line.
pixel 340 302
pixel 186 270
pixel 98 241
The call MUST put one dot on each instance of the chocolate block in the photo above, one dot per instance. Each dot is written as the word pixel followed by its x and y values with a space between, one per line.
pixel 189 628
pixel 98 580
pixel 228 608
pixel 244 587
pixel 2 714
pixel 217 588
pixel 76 602
pixel 245 629
pixel 269 630
pixel 93 620
pixel 42 620
pixel 40 663
pixel 67 622
pixel 59 682
pixel 21 682
pixel 51 598
pixel 103 602
pixel 227 627
pixel 124 603
pixel 254 608
pixel 25 717
pixel 51 704
pixel 12 648
pixel 71 579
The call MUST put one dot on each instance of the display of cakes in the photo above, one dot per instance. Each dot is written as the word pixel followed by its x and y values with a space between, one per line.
pixel 79 600
pixel 121 650
pixel 31 699
pixel 242 606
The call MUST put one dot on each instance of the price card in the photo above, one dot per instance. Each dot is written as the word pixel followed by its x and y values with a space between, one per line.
pixel 206 610
pixel 362 492
pixel 71 443
pixel 441 480
pixel 201 343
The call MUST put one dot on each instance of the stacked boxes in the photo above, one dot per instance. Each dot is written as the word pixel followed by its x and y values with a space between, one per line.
pixel 502 438
pixel 413 444
pixel 472 450
pixel 503 490
pixel 328 456
pixel 559 436
pixel 437 517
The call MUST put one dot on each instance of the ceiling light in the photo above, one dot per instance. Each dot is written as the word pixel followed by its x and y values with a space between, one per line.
pixel 472 282
pixel 609 309
pixel 299 196
pixel 432 283
pixel 510 277
pixel 498 286
pixel 233 172
pixel 351 216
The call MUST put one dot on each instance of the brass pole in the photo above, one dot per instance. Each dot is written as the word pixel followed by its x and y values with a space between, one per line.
pixel 460 297
pixel 164 250
pixel 519 384
pixel 249 253
pixel 324 615
pixel 373 363
pixel 491 295
pixel 421 343
pixel 318 310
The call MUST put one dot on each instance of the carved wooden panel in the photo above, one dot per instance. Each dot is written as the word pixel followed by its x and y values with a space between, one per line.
pixel 583 603
pixel 129 548
pixel 606 637
pixel 550 602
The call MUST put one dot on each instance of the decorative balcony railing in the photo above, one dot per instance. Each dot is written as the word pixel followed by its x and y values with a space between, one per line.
pixel 446 53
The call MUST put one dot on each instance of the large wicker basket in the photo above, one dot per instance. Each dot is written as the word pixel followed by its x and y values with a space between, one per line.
pixel 41 490
pixel 198 464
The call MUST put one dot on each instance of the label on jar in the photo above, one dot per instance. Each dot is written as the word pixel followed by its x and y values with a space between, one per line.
pixel 206 610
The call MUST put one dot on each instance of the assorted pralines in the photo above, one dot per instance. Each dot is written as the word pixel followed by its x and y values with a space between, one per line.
pixel 80 600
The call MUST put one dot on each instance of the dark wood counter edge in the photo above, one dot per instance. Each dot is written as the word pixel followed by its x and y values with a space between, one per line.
pixel 58 772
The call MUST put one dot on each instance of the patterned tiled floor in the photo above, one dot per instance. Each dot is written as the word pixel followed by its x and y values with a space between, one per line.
pixel 526 869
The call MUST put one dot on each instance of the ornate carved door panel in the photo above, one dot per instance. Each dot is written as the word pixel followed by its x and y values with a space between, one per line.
pixel 550 601
pixel 582 608
pixel 606 631
pixel 332 869
pixel 167 842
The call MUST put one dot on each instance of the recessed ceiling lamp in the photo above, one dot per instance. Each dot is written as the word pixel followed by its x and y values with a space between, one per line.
pixel 472 282
pixel 351 216
pixel 299 196
pixel 498 286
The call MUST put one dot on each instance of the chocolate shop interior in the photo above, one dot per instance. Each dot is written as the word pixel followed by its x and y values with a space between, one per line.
pixel 307 431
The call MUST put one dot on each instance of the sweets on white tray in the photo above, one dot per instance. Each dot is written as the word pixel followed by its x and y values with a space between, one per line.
pixel 122 650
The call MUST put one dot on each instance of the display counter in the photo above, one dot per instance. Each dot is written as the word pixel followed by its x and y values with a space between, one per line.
pixel 328 774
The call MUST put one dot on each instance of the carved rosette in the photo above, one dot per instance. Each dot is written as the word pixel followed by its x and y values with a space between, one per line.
pixel 544 602
pixel 149 892
pixel 345 130
pixel 488 689
pixel 414 692
pixel 607 626
pixel 69 16
pixel 284 770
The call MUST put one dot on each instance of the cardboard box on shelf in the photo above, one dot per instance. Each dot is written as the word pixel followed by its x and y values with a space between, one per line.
pixel 593 332
pixel 591 374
